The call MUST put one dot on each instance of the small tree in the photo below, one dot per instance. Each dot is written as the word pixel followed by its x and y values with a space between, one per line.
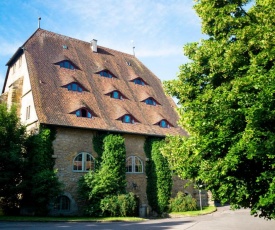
pixel 12 139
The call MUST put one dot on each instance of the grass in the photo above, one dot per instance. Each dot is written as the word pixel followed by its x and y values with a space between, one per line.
pixel 70 219
pixel 205 210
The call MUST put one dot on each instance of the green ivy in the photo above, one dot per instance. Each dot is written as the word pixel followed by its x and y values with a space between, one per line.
pixel 98 144
pixel 109 179
pixel 40 183
pixel 159 178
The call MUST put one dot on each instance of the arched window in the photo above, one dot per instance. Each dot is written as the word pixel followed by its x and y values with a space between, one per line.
pixel 83 162
pixel 134 165
pixel 139 81
pixel 83 113
pixel 164 124
pixel 62 203
pixel 150 101
pixel 66 64
pixel 74 87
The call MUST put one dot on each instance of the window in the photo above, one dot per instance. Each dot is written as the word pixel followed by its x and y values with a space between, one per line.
pixel 20 61
pixel 106 73
pixel 128 119
pixel 139 81
pixel 28 112
pixel 116 95
pixel 66 65
pixel 150 101
pixel 164 124
pixel 13 68
pixel 62 203
pixel 83 162
pixel 134 165
pixel 83 113
pixel 74 87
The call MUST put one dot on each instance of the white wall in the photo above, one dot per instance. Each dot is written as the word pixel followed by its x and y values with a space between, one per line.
pixel 27 96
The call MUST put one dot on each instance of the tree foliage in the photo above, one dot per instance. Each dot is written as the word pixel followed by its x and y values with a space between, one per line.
pixel 227 98
pixel 12 139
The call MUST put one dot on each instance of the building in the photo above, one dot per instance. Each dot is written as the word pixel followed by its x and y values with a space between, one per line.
pixel 81 88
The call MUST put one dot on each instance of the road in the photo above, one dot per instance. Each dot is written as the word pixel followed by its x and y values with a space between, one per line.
pixel 223 219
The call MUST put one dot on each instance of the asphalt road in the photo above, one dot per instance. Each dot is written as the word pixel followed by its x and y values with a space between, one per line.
pixel 223 219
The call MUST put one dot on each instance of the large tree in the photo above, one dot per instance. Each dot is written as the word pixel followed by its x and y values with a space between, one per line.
pixel 227 104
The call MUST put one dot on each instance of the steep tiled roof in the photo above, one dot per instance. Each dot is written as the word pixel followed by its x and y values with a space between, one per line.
pixel 55 104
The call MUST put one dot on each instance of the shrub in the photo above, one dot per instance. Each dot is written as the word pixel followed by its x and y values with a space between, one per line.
pixel 119 205
pixel 182 203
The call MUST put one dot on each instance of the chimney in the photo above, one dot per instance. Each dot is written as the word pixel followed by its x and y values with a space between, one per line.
pixel 94 45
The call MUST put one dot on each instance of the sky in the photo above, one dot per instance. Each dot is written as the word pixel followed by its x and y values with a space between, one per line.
pixel 158 29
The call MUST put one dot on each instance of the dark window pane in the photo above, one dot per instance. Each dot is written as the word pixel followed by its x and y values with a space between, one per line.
pixel 74 87
pixel 83 113
pixel 127 119
pixel 78 113
pixel 115 94
pixel 163 124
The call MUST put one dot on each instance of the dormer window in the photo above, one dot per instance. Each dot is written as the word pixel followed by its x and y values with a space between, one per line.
pixel 127 118
pixel 74 87
pixel 164 124
pixel 139 81
pixel 106 73
pixel 116 94
pixel 83 113
pixel 150 101
pixel 67 65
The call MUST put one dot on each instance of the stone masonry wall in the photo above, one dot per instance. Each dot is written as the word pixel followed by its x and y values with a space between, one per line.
pixel 70 141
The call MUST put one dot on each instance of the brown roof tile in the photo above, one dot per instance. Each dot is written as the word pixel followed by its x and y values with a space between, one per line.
pixel 55 104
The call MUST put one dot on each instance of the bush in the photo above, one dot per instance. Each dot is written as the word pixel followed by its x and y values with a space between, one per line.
pixel 119 205
pixel 182 203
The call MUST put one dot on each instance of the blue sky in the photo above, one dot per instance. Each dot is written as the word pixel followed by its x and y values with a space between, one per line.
pixel 157 28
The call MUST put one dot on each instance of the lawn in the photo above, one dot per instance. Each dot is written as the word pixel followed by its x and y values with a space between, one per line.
pixel 206 210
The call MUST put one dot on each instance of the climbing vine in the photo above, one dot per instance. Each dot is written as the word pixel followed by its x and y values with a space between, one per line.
pixel 159 178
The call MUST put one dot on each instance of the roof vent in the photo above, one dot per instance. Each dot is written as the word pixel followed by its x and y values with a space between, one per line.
pixel 94 45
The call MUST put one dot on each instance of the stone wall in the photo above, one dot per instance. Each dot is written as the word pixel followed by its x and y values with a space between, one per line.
pixel 70 141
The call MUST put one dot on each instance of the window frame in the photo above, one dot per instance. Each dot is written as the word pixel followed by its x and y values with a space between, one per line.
pixel 62 201
pixel 80 113
pixel 28 112
pixel 132 119
pixel 150 101
pixel 107 74
pixel 83 162
pixel 139 81
pixel 133 165
pixel 66 64
pixel 79 87
pixel 119 97
pixel 167 124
